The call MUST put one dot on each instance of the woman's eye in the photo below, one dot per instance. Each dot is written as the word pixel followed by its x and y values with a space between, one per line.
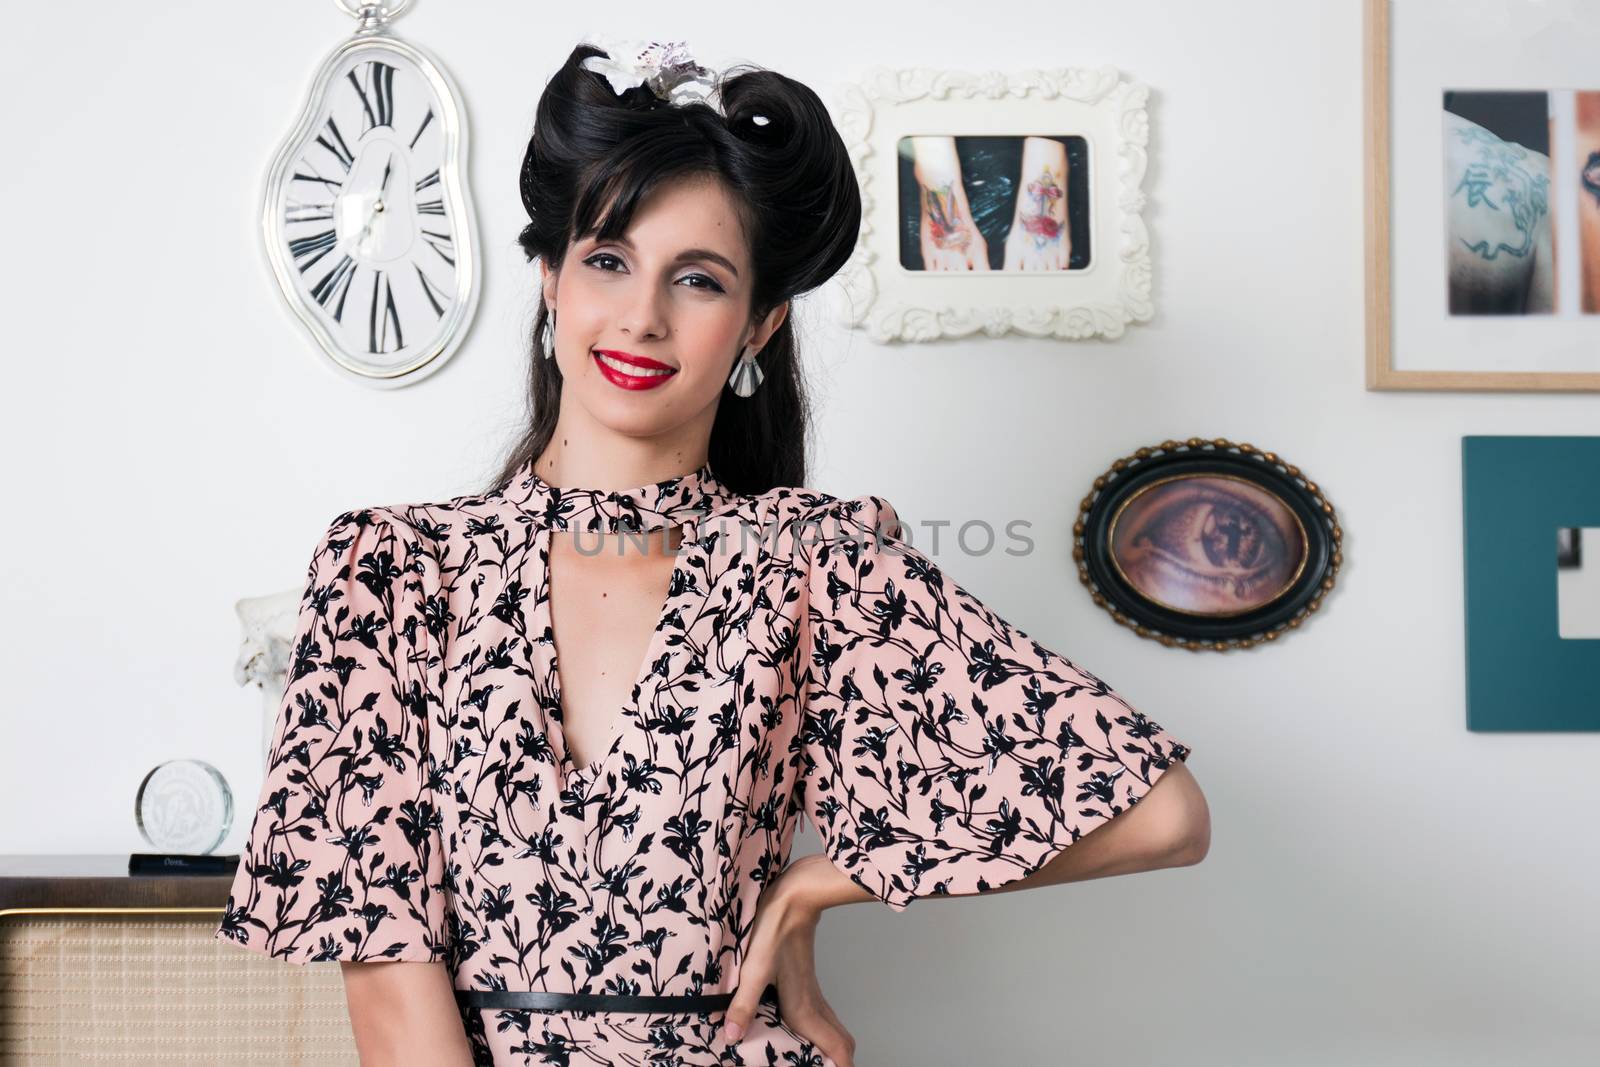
pixel 600 259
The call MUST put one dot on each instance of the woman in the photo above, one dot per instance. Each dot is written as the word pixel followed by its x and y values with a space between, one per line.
pixel 544 749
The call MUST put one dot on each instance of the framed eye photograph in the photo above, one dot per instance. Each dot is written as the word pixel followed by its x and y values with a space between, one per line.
pixel 997 203
pixel 1208 545
pixel 1483 195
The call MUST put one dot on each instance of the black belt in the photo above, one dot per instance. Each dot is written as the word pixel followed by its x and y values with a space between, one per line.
pixel 540 1000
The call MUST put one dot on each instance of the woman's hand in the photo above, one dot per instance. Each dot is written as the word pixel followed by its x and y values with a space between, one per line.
pixel 944 248
pixel 1039 238
pixel 946 230
pixel 782 951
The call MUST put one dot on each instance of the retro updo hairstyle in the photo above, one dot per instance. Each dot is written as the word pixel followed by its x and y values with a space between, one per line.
pixel 780 157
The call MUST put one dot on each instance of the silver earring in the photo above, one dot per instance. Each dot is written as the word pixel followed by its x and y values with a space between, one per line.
pixel 548 339
pixel 747 375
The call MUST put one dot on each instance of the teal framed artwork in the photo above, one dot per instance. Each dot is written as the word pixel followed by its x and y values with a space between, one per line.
pixel 1525 502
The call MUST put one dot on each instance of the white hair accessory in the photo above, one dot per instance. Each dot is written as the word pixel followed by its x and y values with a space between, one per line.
pixel 665 67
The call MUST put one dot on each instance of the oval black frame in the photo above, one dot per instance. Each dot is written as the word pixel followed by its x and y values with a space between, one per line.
pixel 1264 469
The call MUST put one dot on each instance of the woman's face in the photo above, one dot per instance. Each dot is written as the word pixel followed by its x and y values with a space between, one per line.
pixel 648 327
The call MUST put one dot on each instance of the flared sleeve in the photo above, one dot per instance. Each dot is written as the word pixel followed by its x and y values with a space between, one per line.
pixel 343 859
pixel 943 750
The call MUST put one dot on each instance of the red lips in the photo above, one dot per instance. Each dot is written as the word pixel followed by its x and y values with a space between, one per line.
pixel 643 380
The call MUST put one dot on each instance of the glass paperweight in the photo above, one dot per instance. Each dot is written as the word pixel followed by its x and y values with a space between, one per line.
pixel 184 807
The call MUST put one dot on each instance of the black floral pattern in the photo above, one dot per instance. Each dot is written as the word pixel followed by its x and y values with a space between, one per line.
pixel 419 803
pixel 946 750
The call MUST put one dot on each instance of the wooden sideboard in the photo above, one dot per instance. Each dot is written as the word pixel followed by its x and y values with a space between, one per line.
pixel 97 965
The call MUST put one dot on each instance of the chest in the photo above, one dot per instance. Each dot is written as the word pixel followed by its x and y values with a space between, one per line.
pixel 613 730
pixel 606 597
pixel 568 677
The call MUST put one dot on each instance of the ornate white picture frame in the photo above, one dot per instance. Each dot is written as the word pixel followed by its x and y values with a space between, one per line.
pixel 1097 108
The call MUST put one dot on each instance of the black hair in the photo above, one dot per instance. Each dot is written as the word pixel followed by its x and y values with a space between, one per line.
pixel 774 147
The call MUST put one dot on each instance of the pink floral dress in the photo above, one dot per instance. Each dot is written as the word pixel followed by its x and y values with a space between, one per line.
pixel 419 802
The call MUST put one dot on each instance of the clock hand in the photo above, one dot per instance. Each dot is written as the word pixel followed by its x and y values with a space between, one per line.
pixel 377 205
pixel 357 237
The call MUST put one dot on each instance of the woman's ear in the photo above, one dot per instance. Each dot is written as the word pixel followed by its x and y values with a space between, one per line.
pixel 547 282
pixel 768 326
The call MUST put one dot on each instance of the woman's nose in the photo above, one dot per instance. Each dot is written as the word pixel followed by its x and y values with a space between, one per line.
pixel 645 315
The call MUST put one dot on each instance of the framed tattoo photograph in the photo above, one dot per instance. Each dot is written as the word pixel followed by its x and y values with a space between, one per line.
pixel 1207 545
pixel 1483 194
pixel 997 202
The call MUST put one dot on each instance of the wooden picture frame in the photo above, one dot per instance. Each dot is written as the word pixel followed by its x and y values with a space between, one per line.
pixel 1382 370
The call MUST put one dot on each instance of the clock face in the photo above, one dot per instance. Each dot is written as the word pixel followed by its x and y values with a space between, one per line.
pixel 364 214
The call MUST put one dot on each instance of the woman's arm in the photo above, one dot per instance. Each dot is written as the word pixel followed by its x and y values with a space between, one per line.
pixel 1169 827
pixel 1586 164
pixel 948 232
pixel 1039 238
pixel 405 1014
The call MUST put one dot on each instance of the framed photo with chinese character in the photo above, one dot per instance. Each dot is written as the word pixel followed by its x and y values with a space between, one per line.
pixel 1483 195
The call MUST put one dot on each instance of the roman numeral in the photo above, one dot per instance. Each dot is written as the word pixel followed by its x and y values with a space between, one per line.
pixel 442 244
pixel 431 180
pixel 301 211
pixel 377 96
pixel 333 141
pixel 317 179
pixel 440 301
pixel 336 283
pixel 382 316
pixel 430 207
pixel 425 120
pixel 314 245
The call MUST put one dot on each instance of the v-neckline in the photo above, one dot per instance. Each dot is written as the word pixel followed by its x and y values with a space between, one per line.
pixel 628 713
pixel 683 501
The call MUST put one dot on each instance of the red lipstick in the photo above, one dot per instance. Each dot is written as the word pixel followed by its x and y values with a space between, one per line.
pixel 650 372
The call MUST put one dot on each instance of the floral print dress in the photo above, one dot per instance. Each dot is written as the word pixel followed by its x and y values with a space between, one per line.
pixel 419 802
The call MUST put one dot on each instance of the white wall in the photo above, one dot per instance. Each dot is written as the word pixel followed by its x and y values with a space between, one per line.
pixel 1383 887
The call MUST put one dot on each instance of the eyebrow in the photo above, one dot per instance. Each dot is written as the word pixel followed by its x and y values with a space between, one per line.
pixel 690 254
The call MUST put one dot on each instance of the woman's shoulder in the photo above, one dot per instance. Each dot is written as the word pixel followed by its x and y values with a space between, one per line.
pixel 797 501
pixel 870 513
pixel 473 515
pixel 803 500
pixel 438 519
pixel 802 517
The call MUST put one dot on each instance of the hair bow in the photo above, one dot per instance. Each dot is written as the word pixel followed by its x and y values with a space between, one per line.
pixel 665 67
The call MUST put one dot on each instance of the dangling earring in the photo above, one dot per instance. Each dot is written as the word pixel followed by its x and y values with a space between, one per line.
pixel 547 339
pixel 746 376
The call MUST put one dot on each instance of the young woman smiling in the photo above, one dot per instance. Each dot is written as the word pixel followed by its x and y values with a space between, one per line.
pixel 545 748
